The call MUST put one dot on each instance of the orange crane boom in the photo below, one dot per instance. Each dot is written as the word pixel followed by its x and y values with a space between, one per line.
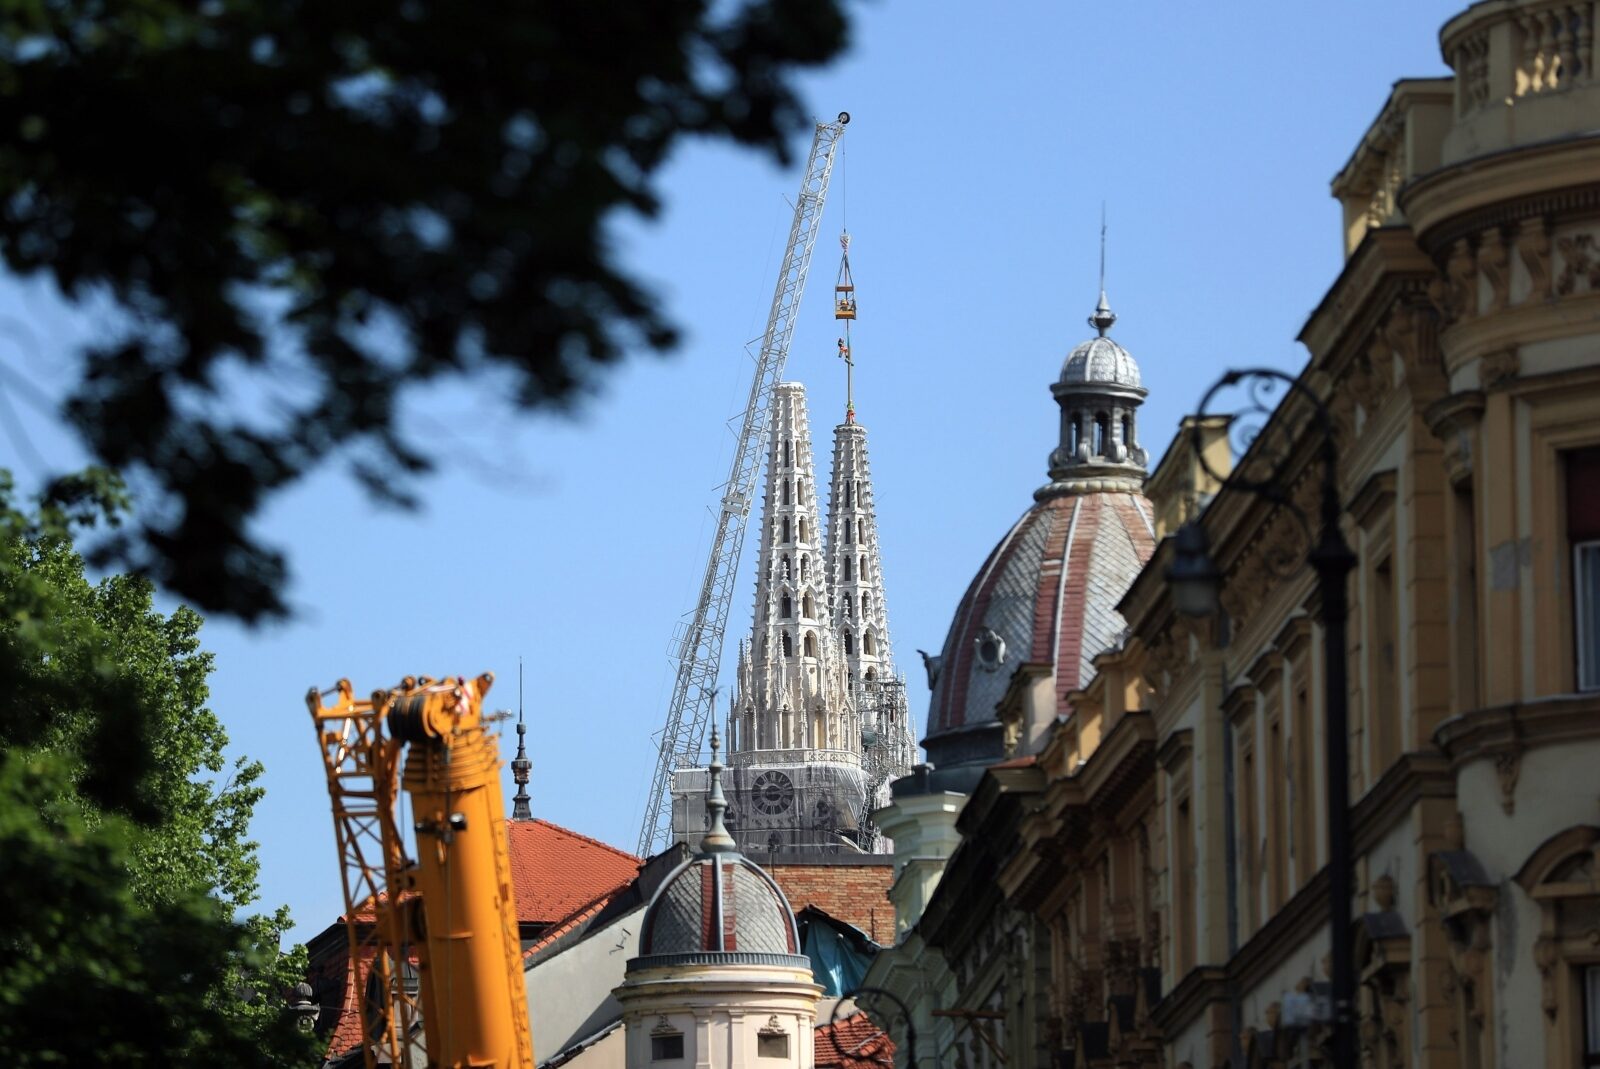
pixel 448 917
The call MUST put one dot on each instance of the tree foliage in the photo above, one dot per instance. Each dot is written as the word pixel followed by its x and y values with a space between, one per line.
pixel 304 207
pixel 126 861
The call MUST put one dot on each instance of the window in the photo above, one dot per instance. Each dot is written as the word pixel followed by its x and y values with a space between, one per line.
pixel 1591 1015
pixel 808 608
pixel 666 1048
pixel 772 1045
pixel 802 529
pixel 1127 431
pixel 811 644
pixel 863 565
pixel 847 569
pixel 786 528
pixel 849 643
pixel 784 574
pixel 1383 671
pixel 788 645
pixel 1586 598
pixel 805 567
pixel 867 644
pixel 1583 531
pixel 1184 860
pixel 861 530
pixel 1102 434
pixel 1074 435
pixel 788 491
pixel 866 605
pixel 850 493
pixel 785 608
pixel 788 451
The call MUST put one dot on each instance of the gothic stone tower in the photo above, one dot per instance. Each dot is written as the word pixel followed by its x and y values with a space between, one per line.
pixel 860 611
pixel 794 731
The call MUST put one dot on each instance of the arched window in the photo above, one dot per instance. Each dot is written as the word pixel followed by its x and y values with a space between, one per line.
pixel 788 645
pixel 1127 431
pixel 863 566
pixel 785 608
pixel 805 567
pixel 866 605
pixel 1074 435
pixel 786 528
pixel 788 490
pixel 788 451
pixel 850 494
pixel 799 491
pixel 847 569
pixel 861 530
pixel 1102 434
pixel 803 529
pixel 783 572
pixel 849 529
pixel 808 608
pixel 811 644
pixel 867 645
pixel 849 643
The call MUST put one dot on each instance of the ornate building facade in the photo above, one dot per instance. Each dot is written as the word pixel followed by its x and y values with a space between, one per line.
pixel 1169 839
pixel 817 723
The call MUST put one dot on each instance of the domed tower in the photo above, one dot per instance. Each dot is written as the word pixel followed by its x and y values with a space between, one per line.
pixel 1044 602
pixel 720 980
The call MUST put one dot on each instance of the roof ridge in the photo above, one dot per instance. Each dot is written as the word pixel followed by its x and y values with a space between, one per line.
pixel 565 925
pixel 586 838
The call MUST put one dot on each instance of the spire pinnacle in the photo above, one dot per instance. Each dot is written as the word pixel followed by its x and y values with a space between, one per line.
pixel 520 765
pixel 716 840
pixel 844 310
pixel 1103 317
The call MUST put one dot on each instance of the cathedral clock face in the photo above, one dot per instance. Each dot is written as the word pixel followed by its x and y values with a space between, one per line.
pixel 773 793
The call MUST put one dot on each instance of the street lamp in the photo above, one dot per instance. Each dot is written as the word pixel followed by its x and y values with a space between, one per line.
pixel 1195 584
pixel 905 1015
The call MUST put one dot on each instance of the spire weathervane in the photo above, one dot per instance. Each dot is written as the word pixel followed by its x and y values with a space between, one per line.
pixel 520 765
pixel 1103 317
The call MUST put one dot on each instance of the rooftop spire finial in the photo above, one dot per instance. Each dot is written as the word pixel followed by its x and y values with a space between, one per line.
pixel 717 840
pixel 844 310
pixel 520 765
pixel 1103 316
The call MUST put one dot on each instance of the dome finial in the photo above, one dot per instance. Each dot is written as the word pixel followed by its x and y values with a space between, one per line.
pixel 717 840
pixel 1103 316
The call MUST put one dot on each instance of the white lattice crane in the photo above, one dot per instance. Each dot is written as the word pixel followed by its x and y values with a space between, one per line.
pixel 698 645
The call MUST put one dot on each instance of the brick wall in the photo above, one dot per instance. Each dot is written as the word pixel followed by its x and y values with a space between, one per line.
pixel 857 894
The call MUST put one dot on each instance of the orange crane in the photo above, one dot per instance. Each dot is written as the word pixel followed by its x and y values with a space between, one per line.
pixel 436 935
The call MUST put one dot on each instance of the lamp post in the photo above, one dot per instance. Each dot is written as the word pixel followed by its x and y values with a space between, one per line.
pixel 1196 587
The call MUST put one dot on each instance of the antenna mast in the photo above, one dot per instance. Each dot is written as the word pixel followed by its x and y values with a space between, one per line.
pixel 698 642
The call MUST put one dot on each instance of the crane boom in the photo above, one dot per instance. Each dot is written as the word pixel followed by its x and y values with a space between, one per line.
pixel 439 934
pixel 699 651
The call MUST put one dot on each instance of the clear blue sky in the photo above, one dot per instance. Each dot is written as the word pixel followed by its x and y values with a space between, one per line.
pixel 981 149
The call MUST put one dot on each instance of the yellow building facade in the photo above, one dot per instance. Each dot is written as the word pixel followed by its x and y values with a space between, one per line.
pixel 1173 842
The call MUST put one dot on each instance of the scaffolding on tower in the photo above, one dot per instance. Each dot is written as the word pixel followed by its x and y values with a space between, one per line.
pixel 698 644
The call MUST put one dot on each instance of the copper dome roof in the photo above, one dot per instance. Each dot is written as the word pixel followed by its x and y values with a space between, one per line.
pixel 1046 594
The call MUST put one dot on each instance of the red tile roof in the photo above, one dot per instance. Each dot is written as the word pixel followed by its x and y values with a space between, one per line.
pixel 862 1043
pixel 556 871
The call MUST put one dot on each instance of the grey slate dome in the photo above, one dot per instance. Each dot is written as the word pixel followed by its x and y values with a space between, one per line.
pixel 720 903
pixel 719 906
pixel 1101 361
